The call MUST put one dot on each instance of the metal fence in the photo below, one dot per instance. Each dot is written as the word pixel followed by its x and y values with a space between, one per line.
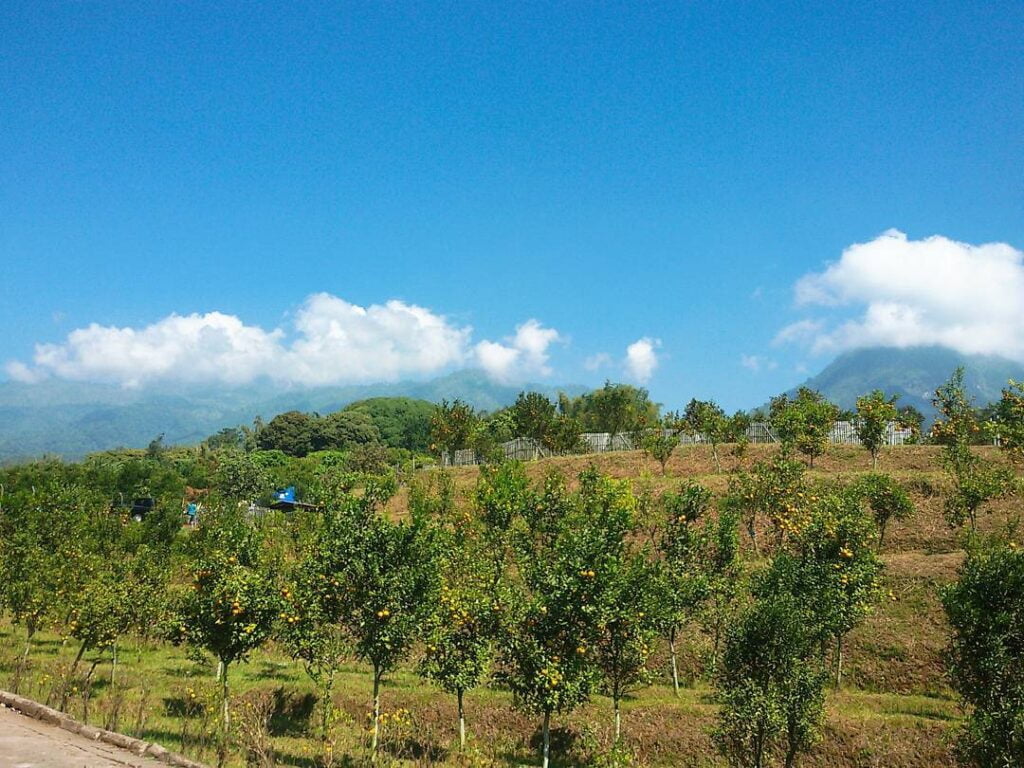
pixel 528 449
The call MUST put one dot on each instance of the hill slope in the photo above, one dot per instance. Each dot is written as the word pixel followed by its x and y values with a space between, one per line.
pixel 913 374
pixel 72 419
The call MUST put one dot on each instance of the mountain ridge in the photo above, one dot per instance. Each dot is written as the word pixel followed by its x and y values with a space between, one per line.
pixel 71 419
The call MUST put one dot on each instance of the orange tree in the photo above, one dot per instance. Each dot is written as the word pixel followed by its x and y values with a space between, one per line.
pixel 230 606
pixel 985 608
pixel 311 603
pixel 558 606
pixel 770 684
pixel 705 420
pixel 1009 420
pixel 803 422
pixel 451 427
pixel 831 568
pixel 722 576
pixel 391 583
pixel 681 547
pixel 460 635
pixel 661 441
pixel 43 544
pixel 629 628
pixel 874 414
pixel 886 498
pixel 776 490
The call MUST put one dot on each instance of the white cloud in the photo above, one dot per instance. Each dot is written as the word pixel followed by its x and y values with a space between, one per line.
pixel 756 363
pixel 522 355
pixel 918 292
pixel 641 359
pixel 598 361
pixel 343 342
pixel 333 342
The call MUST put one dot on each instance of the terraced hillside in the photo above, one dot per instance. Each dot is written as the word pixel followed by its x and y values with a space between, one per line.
pixel 895 707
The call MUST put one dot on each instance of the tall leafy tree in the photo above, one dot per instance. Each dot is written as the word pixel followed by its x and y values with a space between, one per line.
pixel 804 422
pixel 681 546
pixel 232 603
pixel 770 684
pixel 705 419
pixel 875 413
pixel 451 427
pixel 985 608
pixel 887 499
pixel 558 605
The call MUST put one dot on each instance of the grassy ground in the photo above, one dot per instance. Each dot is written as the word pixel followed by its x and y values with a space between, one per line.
pixel 895 708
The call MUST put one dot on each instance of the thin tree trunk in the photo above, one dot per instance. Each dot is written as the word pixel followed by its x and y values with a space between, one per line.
pixel 225 714
pixel 220 670
pixel 328 707
pixel 71 673
pixel 462 722
pixel 618 719
pixel 839 662
pixel 113 665
pixel 714 453
pixel 881 534
pixel 376 713
pixel 874 460
pixel 672 653
pixel 547 739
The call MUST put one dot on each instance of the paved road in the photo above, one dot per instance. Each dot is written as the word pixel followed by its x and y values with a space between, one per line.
pixel 28 743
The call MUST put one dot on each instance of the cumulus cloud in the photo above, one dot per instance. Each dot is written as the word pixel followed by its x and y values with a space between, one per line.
pixel 332 341
pixel 521 355
pixel 642 359
pixel 917 292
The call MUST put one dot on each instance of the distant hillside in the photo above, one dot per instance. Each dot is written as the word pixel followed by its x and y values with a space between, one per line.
pixel 913 374
pixel 72 419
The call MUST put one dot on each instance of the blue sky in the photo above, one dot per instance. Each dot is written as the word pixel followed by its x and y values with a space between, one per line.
pixel 680 173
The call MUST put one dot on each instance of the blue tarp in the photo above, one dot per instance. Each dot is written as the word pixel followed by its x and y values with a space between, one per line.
pixel 286 495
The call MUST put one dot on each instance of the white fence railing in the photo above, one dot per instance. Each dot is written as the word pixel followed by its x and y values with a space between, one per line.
pixel 528 449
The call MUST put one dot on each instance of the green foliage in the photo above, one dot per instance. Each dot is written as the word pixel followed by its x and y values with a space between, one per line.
pixel 532 416
pixel 804 422
pixel 451 427
pixel 776 491
pixel 974 485
pixel 230 607
pixel 1009 421
pixel 403 422
pixel 957 423
pixel 291 432
pixel 985 608
pixel 887 499
pixel 874 414
pixel 660 443
pixel 706 420
pixel 558 606
pixel 770 686
pixel 240 476
pixel 615 408
pixel 629 627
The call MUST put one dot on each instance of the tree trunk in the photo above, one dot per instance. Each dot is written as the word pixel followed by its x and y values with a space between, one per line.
pixel 881 534
pixel 672 654
pixel 71 673
pixel 328 707
pixel 874 460
pixel 839 662
pixel 618 719
pixel 714 454
pixel 462 722
pixel 113 665
pixel 224 697
pixel 547 739
pixel 376 713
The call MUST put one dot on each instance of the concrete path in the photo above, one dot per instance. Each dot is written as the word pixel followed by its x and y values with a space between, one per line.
pixel 29 743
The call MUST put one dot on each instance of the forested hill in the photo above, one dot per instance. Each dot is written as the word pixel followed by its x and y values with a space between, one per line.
pixel 72 419
pixel 913 374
